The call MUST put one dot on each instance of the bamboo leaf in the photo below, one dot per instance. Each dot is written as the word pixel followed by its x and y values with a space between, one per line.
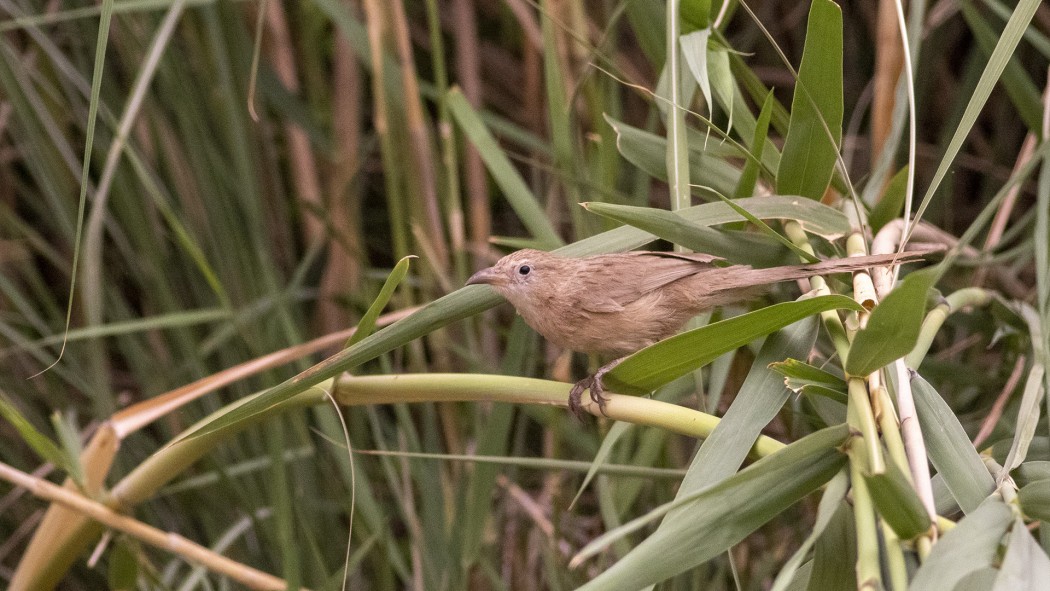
pixel 803 378
pixel 1026 566
pixel 898 503
pixel 503 172
pixel 949 448
pixel 66 430
pixel 368 321
pixel 759 250
pixel 972 545
pixel 1015 80
pixel 811 146
pixel 694 49
pixel 815 218
pixel 893 327
pixel 721 515
pixel 1035 499
pixel 1004 49
pixel 760 399
pixel 40 443
pixel 831 503
pixel 648 152
pixel 1033 395
pixel 672 358
pixel 891 203
pixel 752 168
pixel 834 563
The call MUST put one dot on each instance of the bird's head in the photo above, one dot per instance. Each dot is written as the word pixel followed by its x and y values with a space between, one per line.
pixel 517 275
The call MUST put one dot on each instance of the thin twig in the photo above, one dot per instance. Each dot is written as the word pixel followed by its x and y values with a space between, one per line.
pixel 989 422
pixel 169 541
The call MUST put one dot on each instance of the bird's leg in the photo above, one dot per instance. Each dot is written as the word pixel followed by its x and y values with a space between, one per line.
pixel 594 383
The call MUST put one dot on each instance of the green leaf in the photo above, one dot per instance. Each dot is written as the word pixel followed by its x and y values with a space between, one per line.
pixel 70 440
pixel 502 170
pixel 1033 395
pixel 705 524
pixel 891 203
pixel 732 246
pixel 694 50
pixel 815 217
pixel 601 458
pixel 672 358
pixel 765 229
pixel 1004 49
pixel 972 545
pixel 893 327
pixel 832 504
pixel 1031 471
pixel 760 399
pixel 723 83
pixel 835 553
pixel 811 146
pixel 1015 80
pixel 1026 566
pixel 950 449
pixel 41 444
pixel 803 378
pixel 368 321
pixel 749 177
pixel 897 502
pixel 648 152
pixel 1035 499
pixel 123 568
pixel 695 14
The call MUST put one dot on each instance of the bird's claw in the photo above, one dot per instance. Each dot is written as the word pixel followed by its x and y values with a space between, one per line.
pixel 594 384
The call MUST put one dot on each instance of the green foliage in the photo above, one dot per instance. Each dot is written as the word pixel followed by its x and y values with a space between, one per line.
pixel 367 323
pixel 673 358
pixel 811 146
pixel 893 327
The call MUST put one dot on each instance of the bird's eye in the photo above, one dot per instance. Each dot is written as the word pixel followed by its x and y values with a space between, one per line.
pixel 524 270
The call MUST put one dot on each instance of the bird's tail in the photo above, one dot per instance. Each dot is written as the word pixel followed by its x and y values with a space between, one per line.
pixel 753 277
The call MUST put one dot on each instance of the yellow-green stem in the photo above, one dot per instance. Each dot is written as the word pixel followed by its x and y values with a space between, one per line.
pixel 869 575
pixel 889 426
pixel 388 389
pixel 862 418
pixel 970 296
pixel 895 565
pixel 831 319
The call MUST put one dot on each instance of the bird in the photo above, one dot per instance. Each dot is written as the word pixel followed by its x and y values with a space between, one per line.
pixel 616 304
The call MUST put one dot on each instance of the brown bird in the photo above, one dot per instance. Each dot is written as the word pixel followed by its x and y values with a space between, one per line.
pixel 616 304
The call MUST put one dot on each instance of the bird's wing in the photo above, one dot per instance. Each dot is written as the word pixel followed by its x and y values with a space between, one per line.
pixel 601 305
pixel 657 270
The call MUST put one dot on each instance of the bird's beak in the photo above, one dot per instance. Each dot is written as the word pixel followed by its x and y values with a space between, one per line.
pixel 488 275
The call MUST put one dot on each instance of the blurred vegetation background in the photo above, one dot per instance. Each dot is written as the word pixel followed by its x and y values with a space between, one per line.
pixel 226 180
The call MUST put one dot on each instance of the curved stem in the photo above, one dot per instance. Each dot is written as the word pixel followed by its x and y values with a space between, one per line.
pixel 969 296
pixel 390 389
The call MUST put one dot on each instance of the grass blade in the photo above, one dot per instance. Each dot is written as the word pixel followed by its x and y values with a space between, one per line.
pixel 893 327
pixel 721 515
pixel 815 130
pixel 672 358
pixel 503 172
pixel 368 321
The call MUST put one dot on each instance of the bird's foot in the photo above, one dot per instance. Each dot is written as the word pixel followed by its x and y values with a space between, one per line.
pixel 575 395
pixel 592 383
pixel 596 387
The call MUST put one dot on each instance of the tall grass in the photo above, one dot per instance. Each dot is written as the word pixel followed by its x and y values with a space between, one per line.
pixel 234 210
